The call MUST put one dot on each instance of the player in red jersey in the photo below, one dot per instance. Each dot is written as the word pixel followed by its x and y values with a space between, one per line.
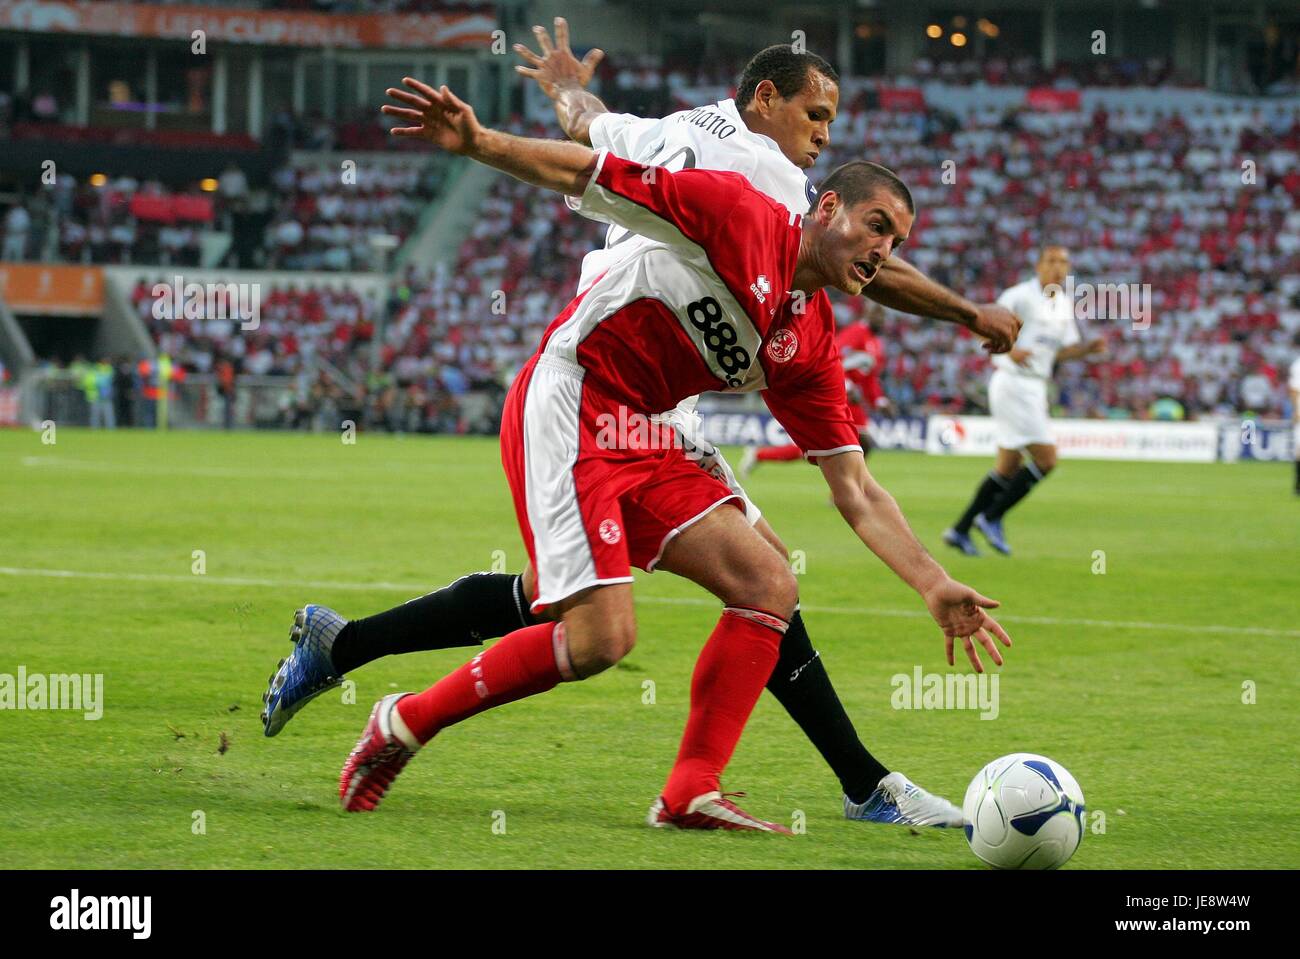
pixel 780 120
pixel 693 311
pixel 863 357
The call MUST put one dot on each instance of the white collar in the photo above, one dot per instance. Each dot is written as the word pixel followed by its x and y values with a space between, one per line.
pixel 728 108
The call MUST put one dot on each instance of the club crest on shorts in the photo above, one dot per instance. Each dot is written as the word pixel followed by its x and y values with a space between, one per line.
pixel 782 346
pixel 609 531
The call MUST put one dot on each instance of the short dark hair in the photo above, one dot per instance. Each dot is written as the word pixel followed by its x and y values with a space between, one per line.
pixel 858 179
pixel 787 70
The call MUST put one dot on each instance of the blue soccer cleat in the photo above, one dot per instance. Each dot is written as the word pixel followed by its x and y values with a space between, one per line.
pixel 960 541
pixel 899 801
pixel 308 671
pixel 992 530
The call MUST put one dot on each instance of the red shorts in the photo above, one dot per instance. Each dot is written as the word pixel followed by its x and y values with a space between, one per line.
pixel 597 487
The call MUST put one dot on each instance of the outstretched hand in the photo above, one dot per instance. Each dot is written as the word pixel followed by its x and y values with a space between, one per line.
pixel 959 611
pixel 441 117
pixel 998 325
pixel 556 68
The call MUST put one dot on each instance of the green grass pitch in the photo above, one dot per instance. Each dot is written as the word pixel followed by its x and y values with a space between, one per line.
pixel 1133 678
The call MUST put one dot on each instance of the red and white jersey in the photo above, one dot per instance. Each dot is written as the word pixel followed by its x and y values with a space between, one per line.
pixel 703 303
pixel 863 357
pixel 712 137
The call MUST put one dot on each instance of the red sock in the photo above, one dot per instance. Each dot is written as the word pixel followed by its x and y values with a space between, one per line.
pixel 730 674
pixel 523 663
pixel 779 454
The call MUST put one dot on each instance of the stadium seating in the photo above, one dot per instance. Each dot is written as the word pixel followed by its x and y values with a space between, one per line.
pixel 1139 193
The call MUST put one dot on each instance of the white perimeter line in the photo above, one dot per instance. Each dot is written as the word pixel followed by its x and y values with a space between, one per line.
pixel 422 588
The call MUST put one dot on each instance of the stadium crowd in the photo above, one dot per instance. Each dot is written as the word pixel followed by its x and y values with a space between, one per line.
pixel 1199 208
pixel 313 214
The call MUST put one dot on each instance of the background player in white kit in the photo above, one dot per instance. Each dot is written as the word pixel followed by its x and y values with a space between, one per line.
pixel 1018 398
pixel 1293 383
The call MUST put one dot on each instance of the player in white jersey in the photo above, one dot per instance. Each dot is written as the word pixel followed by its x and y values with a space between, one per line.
pixel 1293 383
pixel 1018 398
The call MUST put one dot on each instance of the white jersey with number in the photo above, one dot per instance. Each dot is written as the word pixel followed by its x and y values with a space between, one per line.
pixel 711 137
pixel 1047 326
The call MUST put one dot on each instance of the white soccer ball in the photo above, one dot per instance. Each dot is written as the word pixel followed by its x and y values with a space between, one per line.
pixel 1024 811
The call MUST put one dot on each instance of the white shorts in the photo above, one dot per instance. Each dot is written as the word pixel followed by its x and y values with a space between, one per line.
pixel 708 457
pixel 1018 405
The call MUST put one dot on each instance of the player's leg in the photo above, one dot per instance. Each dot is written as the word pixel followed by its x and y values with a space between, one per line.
pixel 722 553
pixel 800 683
pixel 1295 445
pixel 1042 460
pixel 475 607
pixel 993 485
pixel 524 663
pixel 753 455
pixel 1019 405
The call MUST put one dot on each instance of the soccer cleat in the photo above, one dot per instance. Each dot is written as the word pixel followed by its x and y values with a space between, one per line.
pixel 379 755
pixel 748 461
pixel 900 801
pixel 711 811
pixel 992 530
pixel 307 672
pixel 960 541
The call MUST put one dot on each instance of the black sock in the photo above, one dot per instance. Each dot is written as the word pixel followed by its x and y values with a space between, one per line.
pixel 474 608
pixel 800 684
pixel 1297 476
pixel 993 486
pixel 1025 479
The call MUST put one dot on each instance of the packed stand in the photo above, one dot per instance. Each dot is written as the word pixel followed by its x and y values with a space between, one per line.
pixel 324 223
pixel 310 216
pixel 1138 196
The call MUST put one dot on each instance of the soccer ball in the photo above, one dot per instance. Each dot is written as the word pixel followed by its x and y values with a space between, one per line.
pixel 1024 811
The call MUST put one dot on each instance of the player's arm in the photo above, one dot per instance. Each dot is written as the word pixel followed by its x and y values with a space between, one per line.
pixel 449 123
pixel 874 516
pixel 681 209
pixel 1079 351
pixel 564 78
pixel 901 286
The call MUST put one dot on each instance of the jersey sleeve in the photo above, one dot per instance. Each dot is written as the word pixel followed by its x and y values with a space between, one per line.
pixel 1071 336
pixel 1010 298
pixel 620 133
pixel 814 409
pixel 684 209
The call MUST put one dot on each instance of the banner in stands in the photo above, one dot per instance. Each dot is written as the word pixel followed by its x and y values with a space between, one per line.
pixel 1086 439
pixel 58 290
pixel 1267 441
pixel 273 27
pixel 1052 99
pixel 762 429
pixel 901 99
